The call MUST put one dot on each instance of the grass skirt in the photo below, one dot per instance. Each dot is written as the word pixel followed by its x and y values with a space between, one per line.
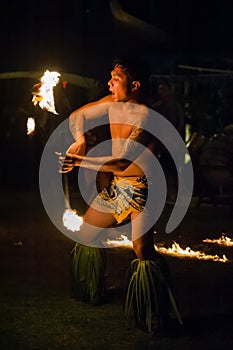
pixel 88 268
pixel 148 298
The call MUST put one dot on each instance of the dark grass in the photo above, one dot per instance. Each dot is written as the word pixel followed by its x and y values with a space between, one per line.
pixel 55 322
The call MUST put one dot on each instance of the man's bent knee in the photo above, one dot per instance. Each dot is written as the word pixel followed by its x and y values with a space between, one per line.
pixel 89 235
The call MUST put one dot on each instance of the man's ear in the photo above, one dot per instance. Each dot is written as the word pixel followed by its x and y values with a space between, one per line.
pixel 135 85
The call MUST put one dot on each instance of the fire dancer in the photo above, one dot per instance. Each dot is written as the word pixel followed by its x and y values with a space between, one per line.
pixel 125 198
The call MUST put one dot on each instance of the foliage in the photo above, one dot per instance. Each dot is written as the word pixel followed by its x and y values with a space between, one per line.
pixel 148 296
pixel 89 264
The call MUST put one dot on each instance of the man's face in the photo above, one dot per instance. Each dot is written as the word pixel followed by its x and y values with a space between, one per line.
pixel 118 85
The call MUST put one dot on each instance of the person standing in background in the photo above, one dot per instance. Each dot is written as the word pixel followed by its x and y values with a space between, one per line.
pixel 168 107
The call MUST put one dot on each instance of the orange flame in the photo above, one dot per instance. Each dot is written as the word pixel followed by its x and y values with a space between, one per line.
pixel 44 96
pixel 175 250
pixel 223 240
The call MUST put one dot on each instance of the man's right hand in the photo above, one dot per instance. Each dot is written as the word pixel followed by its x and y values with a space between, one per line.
pixel 78 147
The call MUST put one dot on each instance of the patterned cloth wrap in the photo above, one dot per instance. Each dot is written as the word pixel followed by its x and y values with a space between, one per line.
pixel 122 197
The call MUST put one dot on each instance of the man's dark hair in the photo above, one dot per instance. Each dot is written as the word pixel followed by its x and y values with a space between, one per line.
pixel 136 69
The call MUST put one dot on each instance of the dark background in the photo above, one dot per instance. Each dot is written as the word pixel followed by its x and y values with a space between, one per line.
pixel 83 37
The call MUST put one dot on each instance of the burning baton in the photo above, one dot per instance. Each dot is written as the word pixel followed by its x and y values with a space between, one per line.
pixel 44 97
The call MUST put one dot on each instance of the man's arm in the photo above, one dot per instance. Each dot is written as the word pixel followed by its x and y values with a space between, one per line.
pixel 129 150
pixel 105 164
pixel 78 117
pixel 77 123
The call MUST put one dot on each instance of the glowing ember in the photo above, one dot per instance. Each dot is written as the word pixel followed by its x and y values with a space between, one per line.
pixel 71 220
pixel 123 241
pixel 44 96
pixel 223 240
pixel 30 126
pixel 176 250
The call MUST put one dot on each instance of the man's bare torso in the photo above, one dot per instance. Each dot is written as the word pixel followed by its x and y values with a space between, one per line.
pixel 123 118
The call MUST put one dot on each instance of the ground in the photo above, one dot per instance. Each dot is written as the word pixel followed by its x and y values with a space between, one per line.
pixel 37 304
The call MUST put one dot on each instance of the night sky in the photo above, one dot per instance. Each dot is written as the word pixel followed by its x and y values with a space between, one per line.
pixel 82 36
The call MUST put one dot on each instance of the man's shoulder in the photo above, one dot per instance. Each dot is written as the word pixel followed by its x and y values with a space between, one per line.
pixel 137 113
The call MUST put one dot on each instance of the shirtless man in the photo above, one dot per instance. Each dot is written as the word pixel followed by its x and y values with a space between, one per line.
pixel 127 195
pixel 126 118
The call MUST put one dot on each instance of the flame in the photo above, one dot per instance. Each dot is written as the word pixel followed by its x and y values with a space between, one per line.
pixel 223 240
pixel 71 220
pixel 175 250
pixel 123 241
pixel 30 126
pixel 44 96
